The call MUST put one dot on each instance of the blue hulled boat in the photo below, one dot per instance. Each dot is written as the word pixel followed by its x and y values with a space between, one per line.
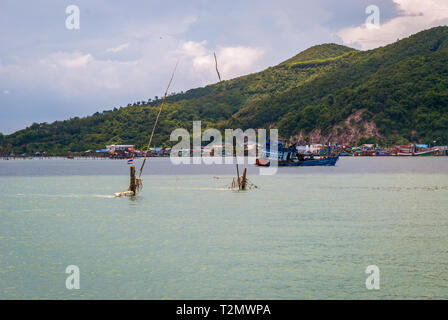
pixel 329 161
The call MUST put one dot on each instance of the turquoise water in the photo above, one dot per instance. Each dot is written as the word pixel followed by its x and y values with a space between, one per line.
pixel 305 234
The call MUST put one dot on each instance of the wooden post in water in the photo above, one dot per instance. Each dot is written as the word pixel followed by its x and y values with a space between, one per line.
pixel 243 183
pixel 132 184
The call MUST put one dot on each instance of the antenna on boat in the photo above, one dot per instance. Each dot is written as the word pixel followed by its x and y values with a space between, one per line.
pixel 241 182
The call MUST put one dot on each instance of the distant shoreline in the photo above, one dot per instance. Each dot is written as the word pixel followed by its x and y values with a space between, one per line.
pixel 165 157
pixel 67 158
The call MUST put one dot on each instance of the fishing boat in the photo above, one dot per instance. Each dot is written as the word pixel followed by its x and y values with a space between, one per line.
pixel 383 153
pixel 415 150
pixel 283 156
pixel 325 161
pixel 289 157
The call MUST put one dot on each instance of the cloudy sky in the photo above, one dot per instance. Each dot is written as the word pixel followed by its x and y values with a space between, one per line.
pixel 124 51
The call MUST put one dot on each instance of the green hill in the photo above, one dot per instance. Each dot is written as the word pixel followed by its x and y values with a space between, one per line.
pixel 317 54
pixel 394 94
pixel 402 87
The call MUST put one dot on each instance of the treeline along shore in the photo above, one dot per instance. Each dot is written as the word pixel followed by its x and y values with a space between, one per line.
pixel 116 152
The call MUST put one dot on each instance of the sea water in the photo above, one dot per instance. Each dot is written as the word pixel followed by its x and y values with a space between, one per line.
pixel 305 233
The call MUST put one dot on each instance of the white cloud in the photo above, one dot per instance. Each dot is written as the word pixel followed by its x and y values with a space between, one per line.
pixel 67 60
pixel 73 75
pixel 79 61
pixel 119 48
pixel 83 76
pixel 416 15
pixel 5 91
pixel 238 60
pixel 233 61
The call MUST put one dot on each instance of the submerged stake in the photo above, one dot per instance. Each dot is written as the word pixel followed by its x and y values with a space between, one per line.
pixel 132 184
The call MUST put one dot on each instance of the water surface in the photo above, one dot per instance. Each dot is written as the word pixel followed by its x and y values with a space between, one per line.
pixel 306 233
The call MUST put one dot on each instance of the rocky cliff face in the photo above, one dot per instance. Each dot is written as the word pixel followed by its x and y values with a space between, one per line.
pixel 348 132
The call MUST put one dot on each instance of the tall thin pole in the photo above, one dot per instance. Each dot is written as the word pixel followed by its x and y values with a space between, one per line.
pixel 132 183
pixel 157 119
pixel 230 122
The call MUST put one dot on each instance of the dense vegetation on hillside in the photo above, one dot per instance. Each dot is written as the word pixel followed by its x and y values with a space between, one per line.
pixel 403 87
pixel 323 53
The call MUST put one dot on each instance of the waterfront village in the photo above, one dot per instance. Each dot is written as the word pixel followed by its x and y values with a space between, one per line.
pixel 370 150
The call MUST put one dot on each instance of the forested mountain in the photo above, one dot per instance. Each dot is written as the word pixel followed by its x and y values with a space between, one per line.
pixel 402 88
pixel 393 94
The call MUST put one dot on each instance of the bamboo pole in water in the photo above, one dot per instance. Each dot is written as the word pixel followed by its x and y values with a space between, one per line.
pixel 243 182
pixel 157 120
pixel 230 122
pixel 132 184
pixel 136 183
